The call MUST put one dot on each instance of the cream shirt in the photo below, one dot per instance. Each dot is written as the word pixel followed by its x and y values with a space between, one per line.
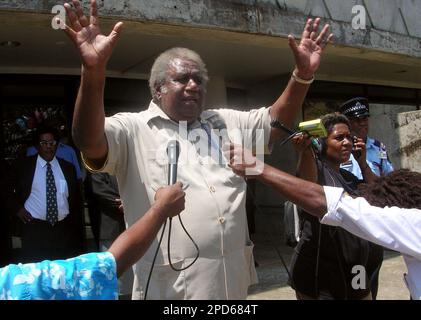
pixel 391 227
pixel 214 213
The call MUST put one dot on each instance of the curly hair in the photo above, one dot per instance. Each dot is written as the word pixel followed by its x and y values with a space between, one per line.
pixel 331 119
pixel 400 188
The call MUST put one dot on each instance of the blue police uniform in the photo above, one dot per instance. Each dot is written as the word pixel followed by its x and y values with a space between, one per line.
pixel 376 154
pixel 377 159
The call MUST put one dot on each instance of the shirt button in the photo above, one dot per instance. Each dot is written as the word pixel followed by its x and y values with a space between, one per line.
pixel 221 220
pixel 212 189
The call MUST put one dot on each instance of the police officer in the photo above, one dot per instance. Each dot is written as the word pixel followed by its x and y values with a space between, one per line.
pixel 357 111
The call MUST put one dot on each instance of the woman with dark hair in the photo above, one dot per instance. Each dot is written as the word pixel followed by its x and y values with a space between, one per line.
pixel 324 261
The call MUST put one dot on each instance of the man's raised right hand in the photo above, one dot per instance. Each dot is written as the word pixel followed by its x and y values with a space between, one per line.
pixel 95 48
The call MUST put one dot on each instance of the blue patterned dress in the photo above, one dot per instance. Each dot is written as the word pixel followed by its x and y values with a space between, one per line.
pixel 89 276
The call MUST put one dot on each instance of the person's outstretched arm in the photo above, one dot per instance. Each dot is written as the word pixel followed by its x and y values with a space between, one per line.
pixel 307 195
pixel 24 281
pixel 307 55
pixel 392 227
pixel 95 49
pixel 130 246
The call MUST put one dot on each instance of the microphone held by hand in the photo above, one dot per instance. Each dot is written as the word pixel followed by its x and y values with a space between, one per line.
pixel 173 151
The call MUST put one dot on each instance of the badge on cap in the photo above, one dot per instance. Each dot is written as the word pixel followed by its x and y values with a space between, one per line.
pixel 356 107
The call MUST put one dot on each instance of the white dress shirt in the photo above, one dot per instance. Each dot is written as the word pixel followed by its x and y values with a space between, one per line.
pixel 36 204
pixel 391 227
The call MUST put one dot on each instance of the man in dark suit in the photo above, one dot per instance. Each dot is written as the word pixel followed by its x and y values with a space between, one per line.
pixel 48 196
pixel 107 199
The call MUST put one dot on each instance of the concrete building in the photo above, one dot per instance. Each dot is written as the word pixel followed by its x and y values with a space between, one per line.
pixel 377 53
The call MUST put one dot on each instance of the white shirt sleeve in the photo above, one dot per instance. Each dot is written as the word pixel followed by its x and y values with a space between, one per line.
pixel 391 227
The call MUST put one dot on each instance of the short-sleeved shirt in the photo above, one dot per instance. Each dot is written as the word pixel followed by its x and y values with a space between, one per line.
pixel 377 160
pixel 90 276
pixel 214 212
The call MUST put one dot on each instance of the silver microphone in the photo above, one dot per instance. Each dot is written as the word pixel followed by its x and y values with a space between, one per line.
pixel 173 151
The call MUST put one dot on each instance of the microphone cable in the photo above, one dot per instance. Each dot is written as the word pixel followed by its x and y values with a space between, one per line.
pixel 169 246
pixel 172 175
pixel 279 125
pixel 292 135
pixel 169 251
pixel 173 151
pixel 153 260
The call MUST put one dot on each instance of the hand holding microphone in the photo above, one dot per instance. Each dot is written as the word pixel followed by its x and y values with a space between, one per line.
pixel 302 142
pixel 173 151
pixel 171 199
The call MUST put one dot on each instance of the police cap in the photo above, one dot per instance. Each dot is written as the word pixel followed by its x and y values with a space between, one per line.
pixel 355 108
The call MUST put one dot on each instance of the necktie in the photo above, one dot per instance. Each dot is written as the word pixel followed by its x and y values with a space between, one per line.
pixel 52 211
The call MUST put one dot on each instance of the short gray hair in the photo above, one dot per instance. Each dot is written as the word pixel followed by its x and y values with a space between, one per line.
pixel 161 64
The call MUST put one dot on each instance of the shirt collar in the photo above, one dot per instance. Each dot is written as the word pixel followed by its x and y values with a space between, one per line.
pixel 154 111
pixel 41 162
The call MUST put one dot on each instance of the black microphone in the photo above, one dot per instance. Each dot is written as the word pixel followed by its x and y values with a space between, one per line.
pixel 173 151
